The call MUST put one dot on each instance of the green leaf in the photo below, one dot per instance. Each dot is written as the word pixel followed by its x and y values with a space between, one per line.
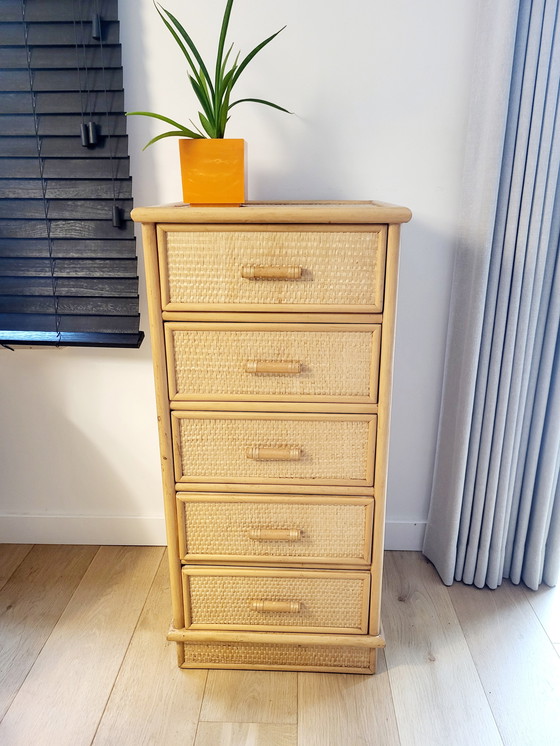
pixel 202 96
pixel 224 63
pixel 191 46
pixel 225 93
pixel 177 38
pixel 157 116
pixel 222 41
pixel 260 101
pixel 207 126
pixel 173 133
pixel 204 86
pixel 251 54
pixel 197 129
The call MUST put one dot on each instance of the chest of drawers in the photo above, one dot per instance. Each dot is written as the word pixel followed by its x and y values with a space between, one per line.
pixel 272 336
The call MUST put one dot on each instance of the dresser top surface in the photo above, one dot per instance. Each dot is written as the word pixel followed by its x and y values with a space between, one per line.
pixel 276 212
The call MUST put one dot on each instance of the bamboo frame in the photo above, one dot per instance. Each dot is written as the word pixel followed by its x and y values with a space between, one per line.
pixel 164 423
pixel 281 213
pixel 275 317
pixel 294 489
pixel 282 638
pixel 275 406
pixel 384 417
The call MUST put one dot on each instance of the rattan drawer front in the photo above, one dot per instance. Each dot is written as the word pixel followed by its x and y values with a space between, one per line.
pixel 279 362
pixel 276 600
pixel 275 529
pixel 297 267
pixel 278 657
pixel 273 448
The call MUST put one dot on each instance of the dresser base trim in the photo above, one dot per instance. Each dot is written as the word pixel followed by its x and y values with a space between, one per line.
pixel 275 638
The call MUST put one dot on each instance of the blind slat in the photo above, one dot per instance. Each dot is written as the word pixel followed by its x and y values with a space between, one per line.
pixel 59 124
pixel 63 103
pixel 56 34
pixel 125 287
pixel 68 248
pixel 62 147
pixel 64 229
pixel 60 57
pixel 55 10
pixel 48 323
pixel 66 168
pixel 68 268
pixel 62 80
pixel 62 209
pixel 69 305
pixel 62 188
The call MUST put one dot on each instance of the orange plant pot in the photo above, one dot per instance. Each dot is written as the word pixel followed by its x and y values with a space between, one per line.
pixel 213 171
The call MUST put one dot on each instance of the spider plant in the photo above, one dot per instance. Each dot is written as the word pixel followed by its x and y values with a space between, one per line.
pixel 214 94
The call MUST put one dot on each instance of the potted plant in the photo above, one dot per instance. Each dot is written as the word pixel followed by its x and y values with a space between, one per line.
pixel 212 167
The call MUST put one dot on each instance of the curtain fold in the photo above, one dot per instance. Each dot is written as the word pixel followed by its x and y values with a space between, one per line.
pixel 493 512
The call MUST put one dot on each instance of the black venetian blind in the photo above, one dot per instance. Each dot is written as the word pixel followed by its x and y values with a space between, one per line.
pixel 68 268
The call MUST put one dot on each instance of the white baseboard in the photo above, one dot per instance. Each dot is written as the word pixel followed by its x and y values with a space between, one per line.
pixel 143 531
pixel 82 529
pixel 404 535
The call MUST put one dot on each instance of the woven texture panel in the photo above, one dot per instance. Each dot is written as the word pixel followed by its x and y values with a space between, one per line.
pixel 216 448
pixel 331 531
pixel 309 656
pixel 213 362
pixel 338 267
pixel 324 601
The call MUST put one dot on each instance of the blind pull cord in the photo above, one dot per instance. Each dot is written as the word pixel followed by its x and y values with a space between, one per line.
pixel 41 162
pixel 88 130
pixel 117 211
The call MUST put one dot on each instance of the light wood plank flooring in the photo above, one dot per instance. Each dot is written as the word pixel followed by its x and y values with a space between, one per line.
pixel 84 660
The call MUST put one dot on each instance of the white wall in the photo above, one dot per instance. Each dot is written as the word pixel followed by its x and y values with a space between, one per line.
pixel 380 91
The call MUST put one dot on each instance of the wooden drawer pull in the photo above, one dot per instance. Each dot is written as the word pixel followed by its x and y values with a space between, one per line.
pixel 252 272
pixel 275 534
pixel 288 607
pixel 288 367
pixel 260 453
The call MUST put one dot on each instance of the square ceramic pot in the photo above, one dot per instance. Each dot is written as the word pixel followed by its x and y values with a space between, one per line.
pixel 213 171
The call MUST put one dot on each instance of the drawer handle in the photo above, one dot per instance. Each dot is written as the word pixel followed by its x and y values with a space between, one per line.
pixel 288 367
pixel 275 534
pixel 261 453
pixel 288 607
pixel 252 272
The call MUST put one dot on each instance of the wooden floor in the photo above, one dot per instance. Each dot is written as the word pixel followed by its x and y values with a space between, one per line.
pixel 83 660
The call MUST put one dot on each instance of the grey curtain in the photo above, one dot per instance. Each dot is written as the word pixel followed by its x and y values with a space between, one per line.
pixel 495 509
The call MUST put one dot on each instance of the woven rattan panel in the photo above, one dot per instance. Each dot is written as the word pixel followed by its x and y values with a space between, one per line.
pixel 326 530
pixel 210 363
pixel 256 654
pixel 216 448
pixel 335 602
pixel 339 267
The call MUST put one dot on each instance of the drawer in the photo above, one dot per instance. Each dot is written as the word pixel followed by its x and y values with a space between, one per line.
pixel 273 362
pixel 279 657
pixel 276 600
pixel 270 448
pixel 297 268
pixel 275 529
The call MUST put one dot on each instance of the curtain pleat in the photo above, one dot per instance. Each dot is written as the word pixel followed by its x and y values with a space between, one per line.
pixel 503 490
